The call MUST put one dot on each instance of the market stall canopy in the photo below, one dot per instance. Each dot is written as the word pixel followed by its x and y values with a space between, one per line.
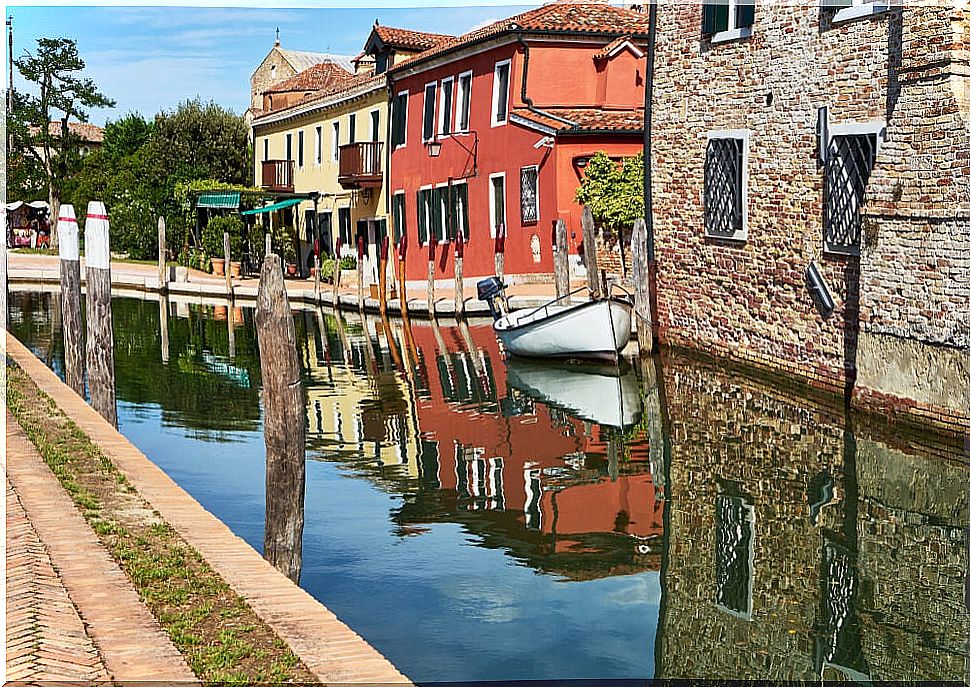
pixel 289 202
pixel 36 204
pixel 218 199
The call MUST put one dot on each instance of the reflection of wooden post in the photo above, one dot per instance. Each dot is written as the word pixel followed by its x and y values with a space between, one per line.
pixel 589 250
pixel 316 279
pixel 71 299
pixel 561 261
pixel 360 273
pixel 228 255
pixel 231 320
pixel 283 427
pixel 100 340
pixel 402 277
pixel 163 324
pixel 382 277
pixel 641 285
pixel 432 244
pixel 336 275
pixel 322 327
pixel 459 276
pixel 162 268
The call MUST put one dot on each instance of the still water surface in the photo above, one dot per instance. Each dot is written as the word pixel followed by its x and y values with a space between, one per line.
pixel 481 519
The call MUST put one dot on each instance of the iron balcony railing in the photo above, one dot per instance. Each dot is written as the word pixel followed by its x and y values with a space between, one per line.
pixel 278 175
pixel 361 165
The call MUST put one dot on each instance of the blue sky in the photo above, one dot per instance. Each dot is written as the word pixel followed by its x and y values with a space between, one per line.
pixel 149 58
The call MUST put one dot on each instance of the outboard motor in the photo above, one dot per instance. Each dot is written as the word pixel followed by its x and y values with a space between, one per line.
pixel 491 290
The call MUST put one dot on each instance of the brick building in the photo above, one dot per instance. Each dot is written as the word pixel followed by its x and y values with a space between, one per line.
pixel 790 135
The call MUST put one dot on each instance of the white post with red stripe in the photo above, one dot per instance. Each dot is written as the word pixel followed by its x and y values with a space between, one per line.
pixel 100 343
pixel 67 247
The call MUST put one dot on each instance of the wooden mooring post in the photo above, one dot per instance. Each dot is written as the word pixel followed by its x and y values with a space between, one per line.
pixel 641 285
pixel 71 299
pixel 561 261
pixel 283 424
pixel 100 337
pixel 500 252
pixel 589 251
pixel 459 275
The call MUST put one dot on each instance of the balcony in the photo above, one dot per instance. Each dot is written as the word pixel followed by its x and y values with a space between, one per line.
pixel 278 175
pixel 361 165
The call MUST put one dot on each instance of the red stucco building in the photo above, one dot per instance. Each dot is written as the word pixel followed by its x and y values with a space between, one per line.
pixel 490 132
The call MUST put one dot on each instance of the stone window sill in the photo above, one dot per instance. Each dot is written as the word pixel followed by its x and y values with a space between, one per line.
pixel 859 11
pixel 732 35
pixel 841 251
pixel 739 238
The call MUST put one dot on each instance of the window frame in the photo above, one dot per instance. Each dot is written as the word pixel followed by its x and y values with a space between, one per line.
pixel 265 148
pixel 375 125
pixel 446 118
pixel 463 96
pixel 289 147
pixel 495 92
pixel 352 128
pixel 442 200
pixel 300 158
pixel 425 110
pixel 420 202
pixel 465 223
pixel 855 9
pixel 522 217
pixel 491 203
pixel 745 136
pixel 399 205
pixel 732 32
pixel 335 140
pixel 405 95
pixel 318 145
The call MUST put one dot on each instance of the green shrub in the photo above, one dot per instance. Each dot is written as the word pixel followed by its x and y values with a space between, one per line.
pixel 326 269
pixel 348 262
pixel 212 236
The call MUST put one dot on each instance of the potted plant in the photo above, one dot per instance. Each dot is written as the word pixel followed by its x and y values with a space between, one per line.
pixel 289 254
pixel 212 242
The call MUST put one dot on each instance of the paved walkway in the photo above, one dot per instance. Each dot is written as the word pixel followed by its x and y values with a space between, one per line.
pixel 327 647
pixel 85 621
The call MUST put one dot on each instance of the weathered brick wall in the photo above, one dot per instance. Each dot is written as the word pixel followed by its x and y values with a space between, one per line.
pixel 748 299
pixel 898 508
pixel 263 77
pixel 915 277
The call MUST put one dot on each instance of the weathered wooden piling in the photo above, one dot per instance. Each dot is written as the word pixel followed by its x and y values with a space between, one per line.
pixel 283 423
pixel 589 251
pixel 100 337
pixel 641 285
pixel 459 278
pixel 71 299
pixel 561 261
pixel 500 251
pixel 162 266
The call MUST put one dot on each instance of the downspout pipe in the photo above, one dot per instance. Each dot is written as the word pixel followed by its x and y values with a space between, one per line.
pixel 648 167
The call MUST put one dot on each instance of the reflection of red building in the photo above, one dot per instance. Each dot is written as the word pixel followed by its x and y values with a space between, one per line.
pixel 497 452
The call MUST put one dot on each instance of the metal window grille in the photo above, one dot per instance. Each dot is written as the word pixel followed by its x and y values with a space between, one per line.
pixel 734 553
pixel 723 209
pixel 847 169
pixel 529 183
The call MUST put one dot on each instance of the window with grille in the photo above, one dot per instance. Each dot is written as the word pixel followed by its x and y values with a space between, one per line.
pixel 529 194
pixel 734 554
pixel 848 165
pixel 724 192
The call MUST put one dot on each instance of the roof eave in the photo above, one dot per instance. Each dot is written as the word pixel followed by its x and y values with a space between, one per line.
pixel 600 132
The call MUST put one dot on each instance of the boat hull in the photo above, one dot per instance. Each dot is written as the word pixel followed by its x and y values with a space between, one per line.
pixel 597 330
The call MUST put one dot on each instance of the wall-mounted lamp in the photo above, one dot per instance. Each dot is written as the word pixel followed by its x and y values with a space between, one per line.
pixel 434 148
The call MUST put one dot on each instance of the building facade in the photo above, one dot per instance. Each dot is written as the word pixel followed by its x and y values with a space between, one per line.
pixel 810 194
pixel 489 140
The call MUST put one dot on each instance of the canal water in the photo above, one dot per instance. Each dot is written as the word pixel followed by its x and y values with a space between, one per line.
pixel 478 519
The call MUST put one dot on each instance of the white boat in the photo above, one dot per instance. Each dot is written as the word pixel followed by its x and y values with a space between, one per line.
pixel 606 395
pixel 597 329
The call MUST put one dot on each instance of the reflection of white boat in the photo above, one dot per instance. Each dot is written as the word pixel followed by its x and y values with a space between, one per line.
pixel 597 329
pixel 600 394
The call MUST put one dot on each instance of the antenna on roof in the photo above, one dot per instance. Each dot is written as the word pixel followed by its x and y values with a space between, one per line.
pixel 277 36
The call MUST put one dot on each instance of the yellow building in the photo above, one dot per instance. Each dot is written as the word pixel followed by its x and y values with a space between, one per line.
pixel 329 141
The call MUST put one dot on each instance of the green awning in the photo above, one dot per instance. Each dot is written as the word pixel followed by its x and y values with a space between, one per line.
pixel 218 199
pixel 289 202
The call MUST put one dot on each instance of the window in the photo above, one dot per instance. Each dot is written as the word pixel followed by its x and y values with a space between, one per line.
pixel 398 217
pixel 725 185
pixel 335 154
pixel 289 146
pixel 343 226
pixel 496 203
pixel 426 212
pixel 444 114
pixel 846 10
pixel 529 194
pixel 458 219
pixel 463 109
pixel 318 145
pixel 265 149
pixel 733 555
pixel 375 125
pixel 442 217
pixel 352 129
pixel 399 121
pixel 325 226
pixel 500 93
pixel 848 164
pixel 299 147
pixel 727 19
pixel 427 132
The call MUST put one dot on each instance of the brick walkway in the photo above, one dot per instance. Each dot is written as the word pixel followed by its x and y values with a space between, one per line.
pixel 46 639
pixel 79 600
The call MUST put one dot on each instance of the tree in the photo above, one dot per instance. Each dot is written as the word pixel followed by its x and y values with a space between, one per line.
pixel 62 94
pixel 125 136
pixel 613 192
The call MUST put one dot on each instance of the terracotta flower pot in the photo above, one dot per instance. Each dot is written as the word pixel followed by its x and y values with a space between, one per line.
pixel 219 312
pixel 291 269
pixel 218 266
pixel 235 268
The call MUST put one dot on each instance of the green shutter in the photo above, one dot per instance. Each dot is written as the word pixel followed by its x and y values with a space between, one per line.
pixel 436 217
pixel 714 16
pixel 422 218
pixel 400 219
pixel 459 199
pixel 745 15
pixel 447 200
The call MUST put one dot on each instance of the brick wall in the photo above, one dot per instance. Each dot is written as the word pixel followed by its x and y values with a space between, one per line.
pixel 262 78
pixel 748 299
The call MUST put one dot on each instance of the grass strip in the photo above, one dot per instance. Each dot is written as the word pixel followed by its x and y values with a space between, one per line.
pixel 221 637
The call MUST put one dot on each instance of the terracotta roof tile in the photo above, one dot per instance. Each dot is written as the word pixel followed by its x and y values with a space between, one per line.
pixel 584 119
pixel 87 132
pixel 412 40
pixel 357 82
pixel 314 78
pixel 613 45
pixel 563 16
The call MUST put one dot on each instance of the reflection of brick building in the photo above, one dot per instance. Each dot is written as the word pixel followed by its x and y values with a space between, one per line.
pixel 801 550
pixel 786 134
